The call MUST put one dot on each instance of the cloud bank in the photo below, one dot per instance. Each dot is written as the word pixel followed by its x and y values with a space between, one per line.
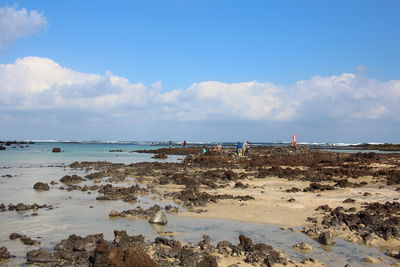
pixel 19 23
pixel 34 84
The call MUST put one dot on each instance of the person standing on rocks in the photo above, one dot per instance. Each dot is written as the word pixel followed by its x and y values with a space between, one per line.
pixel 245 148
pixel 239 148
pixel 219 148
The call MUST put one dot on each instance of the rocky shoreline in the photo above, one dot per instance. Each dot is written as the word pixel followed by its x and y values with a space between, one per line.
pixel 330 195
pixel 126 250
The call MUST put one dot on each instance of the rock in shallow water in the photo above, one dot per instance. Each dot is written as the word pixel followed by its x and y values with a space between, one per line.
pixel 41 186
pixel 113 213
pixel 303 246
pixel 326 238
pixel 159 218
pixel 74 179
pixel 4 254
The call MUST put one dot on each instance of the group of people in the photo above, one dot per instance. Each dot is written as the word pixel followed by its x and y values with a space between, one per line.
pixel 242 149
pixel 217 149
pixel 170 143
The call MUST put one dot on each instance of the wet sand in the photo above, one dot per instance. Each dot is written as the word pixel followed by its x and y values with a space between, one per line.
pixel 272 206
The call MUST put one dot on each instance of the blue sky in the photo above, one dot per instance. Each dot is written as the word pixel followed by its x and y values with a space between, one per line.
pixel 186 44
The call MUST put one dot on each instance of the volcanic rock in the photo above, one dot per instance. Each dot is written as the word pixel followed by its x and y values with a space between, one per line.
pixel 74 179
pixel 208 261
pixel 42 256
pixel 28 241
pixel 56 150
pixel 127 194
pixel 134 256
pixel 122 239
pixel 22 206
pixel 168 242
pixel 326 238
pixel 171 209
pixel 160 156
pixel 303 246
pixel 138 212
pixel 4 254
pixel 41 186
pixel 14 236
pixel 159 218
pixel 349 200
pixel 318 187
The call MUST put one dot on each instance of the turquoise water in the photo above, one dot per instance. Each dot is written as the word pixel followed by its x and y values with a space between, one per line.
pixel 80 213
pixel 39 154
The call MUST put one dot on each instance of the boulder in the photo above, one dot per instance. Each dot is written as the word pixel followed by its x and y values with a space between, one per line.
pixel 159 218
pixel 4 254
pixel 74 179
pixel 303 246
pixel 14 236
pixel 326 238
pixel 208 261
pixel 56 150
pixel 41 186
pixel 113 213
pixel 116 256
pixel 41 256
pixel 160 156
pixel 2 148
pixel 171 209
pixel 29 241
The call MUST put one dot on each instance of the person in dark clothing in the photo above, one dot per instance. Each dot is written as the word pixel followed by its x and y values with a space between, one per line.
pixel 239 147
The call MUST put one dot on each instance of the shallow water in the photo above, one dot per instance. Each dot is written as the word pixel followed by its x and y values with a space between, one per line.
pixel 80 213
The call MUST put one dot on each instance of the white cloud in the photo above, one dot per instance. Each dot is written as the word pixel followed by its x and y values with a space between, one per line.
pixel 18 23
pixel 40 84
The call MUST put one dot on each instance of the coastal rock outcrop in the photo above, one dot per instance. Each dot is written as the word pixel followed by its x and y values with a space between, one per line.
pixel 56 150
pixel 4 254
pixel 160 156
pixel 159 218
pixel 72 179
pixel 22 207
pixel 138 213
pixel 25 239
pixel 326 238
pixel 192 197
pixel 41 186
pixel 127 194
pixel 126 250
pixel 303 246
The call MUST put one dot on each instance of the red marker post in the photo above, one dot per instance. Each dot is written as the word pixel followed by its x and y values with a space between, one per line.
pixel 294 142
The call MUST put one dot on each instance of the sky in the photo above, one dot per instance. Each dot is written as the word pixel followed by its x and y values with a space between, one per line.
pixel 200 70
